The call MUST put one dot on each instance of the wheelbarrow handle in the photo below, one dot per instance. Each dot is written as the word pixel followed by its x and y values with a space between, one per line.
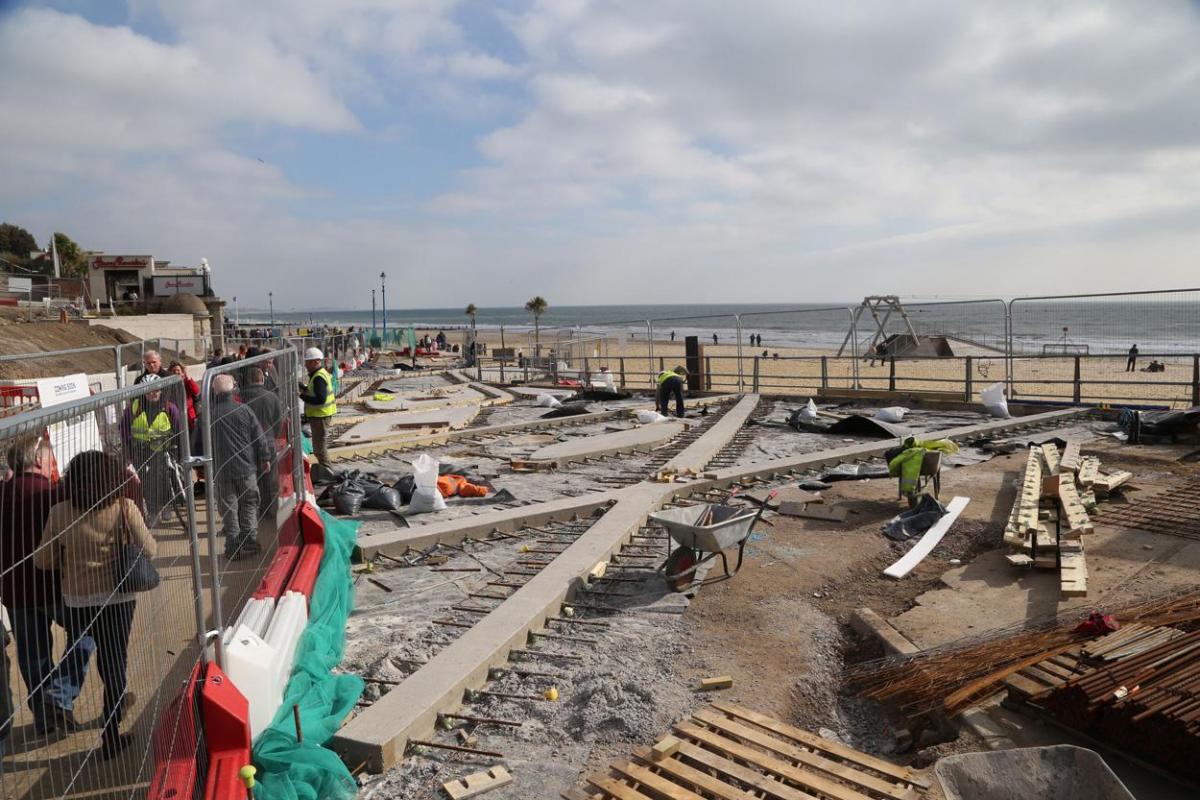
pixel 761 509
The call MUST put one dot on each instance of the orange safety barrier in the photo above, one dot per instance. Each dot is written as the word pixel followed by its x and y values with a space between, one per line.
pixel 225 713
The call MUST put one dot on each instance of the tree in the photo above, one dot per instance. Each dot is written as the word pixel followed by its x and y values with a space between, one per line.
pixel 70 256
pixel 471 312
pixel 16 244
pixel 537 306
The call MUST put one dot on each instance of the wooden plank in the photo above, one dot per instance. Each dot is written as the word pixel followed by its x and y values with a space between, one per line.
pixel 1030 493
pixel 1106 483
pixel 811 781
pixel 929 541
pixel 615 788
pixel 1050 456
pixel 665 748
pixel 771 789
pixel 719 682
pixel 1078 522
pixel 1089 468
pixel 681 772
pixel 477 783
pixel 1070 461
pixel 794 494
pixel 653 783
pixel 814 511
pixel 814 761
pixel 815 742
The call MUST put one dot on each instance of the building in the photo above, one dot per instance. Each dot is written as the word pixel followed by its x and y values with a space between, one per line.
pixel 128 278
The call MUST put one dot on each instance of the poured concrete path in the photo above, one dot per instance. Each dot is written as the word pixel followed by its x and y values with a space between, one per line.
pixel 606 444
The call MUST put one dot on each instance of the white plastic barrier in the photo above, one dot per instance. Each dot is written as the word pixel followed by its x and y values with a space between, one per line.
pixel 260 665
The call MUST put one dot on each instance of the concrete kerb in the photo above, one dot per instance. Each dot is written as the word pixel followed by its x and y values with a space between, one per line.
pixel 379 735
pixel 695 457
pixel 605 444
pixel 398 542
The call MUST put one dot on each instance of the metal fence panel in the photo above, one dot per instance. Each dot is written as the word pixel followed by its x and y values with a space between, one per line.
pixel 97 663
pixel 249 429
pixel 1077 347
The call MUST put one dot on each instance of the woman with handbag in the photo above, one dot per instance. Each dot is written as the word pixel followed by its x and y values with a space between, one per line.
pixel 98 540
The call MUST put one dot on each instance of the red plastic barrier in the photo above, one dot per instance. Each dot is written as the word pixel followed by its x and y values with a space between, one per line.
pixel 226 716
pixel 286 555
pixel 176 746
pixel 307 568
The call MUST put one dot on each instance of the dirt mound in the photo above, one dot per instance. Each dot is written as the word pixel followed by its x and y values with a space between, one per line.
pixel 40 337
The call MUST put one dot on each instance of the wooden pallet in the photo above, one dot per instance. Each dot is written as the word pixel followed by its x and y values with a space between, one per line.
pixel 1075 515
pixel 733 753
pixel 1051 457
pixel 1070 460
pixel 1089 468
pixel 1029 684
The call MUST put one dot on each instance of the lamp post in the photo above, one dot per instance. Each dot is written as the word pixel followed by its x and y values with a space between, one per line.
pixel 271 302
pixel 237 319
pixel 383 302
pixel 372 312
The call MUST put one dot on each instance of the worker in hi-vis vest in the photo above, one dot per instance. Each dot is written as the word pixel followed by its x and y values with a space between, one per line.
pixel 319 403
pixel 670 382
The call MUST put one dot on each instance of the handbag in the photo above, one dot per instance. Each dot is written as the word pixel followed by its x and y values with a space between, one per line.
pixel 133 571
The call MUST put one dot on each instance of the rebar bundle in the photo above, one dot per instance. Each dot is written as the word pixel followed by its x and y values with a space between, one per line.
pixel 948 680
pixel 1147 704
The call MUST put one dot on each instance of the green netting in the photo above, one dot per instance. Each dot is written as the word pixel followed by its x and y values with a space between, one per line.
pixel 288 770
pixel 306 445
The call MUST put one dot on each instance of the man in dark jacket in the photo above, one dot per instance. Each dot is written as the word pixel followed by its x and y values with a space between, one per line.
pixel 268 409
pixel 32 596
pixel 240 455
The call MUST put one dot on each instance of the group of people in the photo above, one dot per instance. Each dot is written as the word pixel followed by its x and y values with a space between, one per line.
pixel 63 538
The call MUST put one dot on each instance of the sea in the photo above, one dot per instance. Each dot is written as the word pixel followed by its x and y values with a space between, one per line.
pixel 1165 323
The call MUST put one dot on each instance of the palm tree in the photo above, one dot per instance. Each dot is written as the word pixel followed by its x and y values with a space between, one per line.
pixel 537 306
pixel 471 312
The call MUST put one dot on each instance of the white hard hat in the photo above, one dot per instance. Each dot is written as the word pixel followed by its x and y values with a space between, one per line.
pixel 314 354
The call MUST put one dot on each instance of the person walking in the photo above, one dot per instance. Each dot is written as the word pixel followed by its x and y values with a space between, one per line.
pixel 191 390
pixel 150 428
pixel 319 401
pixel 83 538
pixel 714 338
pixel 240 455
pixel 32 596
pixel 670 384
pixel 1131 362
pixel 672 336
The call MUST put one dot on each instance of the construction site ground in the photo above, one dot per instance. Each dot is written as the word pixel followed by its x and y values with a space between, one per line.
pixel 780 628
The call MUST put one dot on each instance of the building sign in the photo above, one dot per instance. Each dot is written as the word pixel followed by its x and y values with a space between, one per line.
pixel 178 284
pixel 120 262
pixel 20 284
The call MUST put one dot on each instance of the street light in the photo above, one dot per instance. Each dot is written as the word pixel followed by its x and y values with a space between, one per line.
pixel 271 301
pixel 383 301
pixel 237 319
pixel 372 312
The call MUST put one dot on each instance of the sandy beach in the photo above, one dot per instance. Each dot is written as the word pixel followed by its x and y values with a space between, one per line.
pixel 787 370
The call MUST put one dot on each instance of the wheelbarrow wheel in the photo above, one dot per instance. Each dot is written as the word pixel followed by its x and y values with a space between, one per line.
pixel 681 559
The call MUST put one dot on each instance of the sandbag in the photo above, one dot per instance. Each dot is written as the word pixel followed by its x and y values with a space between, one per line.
pixel 891 413
pixel 548 401
pixel 426 496
pixel 405 485
pixel 808 412
pixel 994 401
pixel 384 498
pixel 348 498
pixel 649 417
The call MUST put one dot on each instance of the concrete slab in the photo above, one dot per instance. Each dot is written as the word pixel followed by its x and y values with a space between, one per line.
pixel 640 438
pixel 381 732
pixel 696 456
pixel 394 423
pixel 534 391
pixel 448 397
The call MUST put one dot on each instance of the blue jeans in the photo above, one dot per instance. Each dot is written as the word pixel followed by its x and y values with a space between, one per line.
pixel 47 683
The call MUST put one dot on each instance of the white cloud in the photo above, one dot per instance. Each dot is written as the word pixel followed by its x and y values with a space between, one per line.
pixel 770 151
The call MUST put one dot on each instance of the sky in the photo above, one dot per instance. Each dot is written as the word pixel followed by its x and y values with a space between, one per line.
pixel 612 152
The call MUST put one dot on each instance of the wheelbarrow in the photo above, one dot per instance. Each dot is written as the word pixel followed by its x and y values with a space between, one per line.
pixel 703 532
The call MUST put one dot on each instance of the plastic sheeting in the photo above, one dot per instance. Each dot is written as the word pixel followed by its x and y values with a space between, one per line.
pixel 308 771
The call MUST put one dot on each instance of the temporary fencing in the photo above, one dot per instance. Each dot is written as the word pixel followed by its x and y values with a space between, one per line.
pixel 98 653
